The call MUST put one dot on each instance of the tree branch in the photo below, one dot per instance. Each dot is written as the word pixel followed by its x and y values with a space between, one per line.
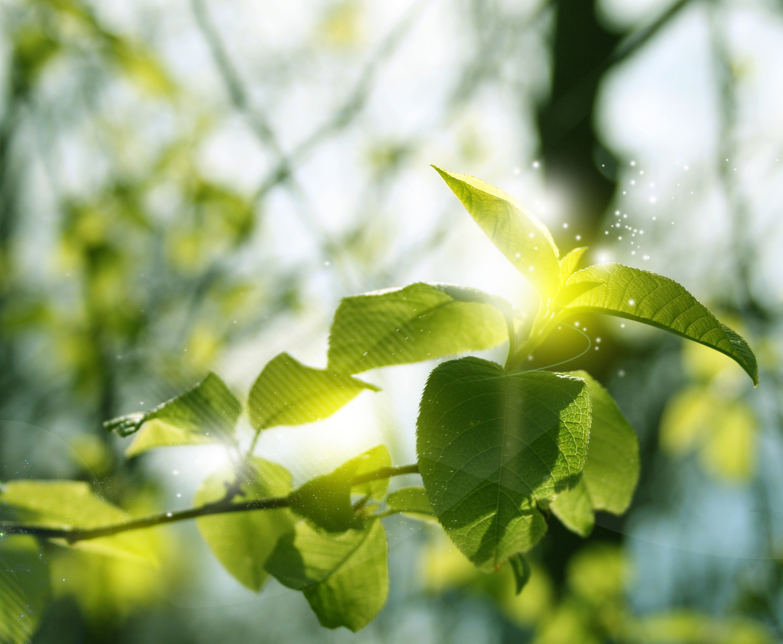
pixel 224 506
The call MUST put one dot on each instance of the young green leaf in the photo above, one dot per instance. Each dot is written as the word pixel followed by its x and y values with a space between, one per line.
pixel 243 541
pixel 69 504
pixel 521 569
pixel 570 262
pixel 326 500
pixel 24 589
pixel 344 577
pixel 287 392
pixel 491 445
pixel 208 409
pixel 411 324
pixel 612 467
pixel 658 301
pixel 523 239
pixel 574 508
pixel 411 500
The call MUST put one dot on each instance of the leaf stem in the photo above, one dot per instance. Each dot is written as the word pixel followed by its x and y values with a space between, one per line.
pixel 224 506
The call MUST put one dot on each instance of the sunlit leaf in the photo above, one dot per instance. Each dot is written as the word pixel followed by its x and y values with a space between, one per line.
pixel 612 466
pixel 156 433
pixel 570 262
pixel 287 392
pixel 411 324
pixel 523 239
pixel 207 410
pixel 652 299
pixel 412 501
pixel 71 504
pixel 344 577
pixel 490 445
pixel 574 508
pixel 326 500
pixel 243 541
pixel 372 460
pixel 24 588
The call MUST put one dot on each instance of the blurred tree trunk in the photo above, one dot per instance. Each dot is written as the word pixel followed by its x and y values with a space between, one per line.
pixel 569 145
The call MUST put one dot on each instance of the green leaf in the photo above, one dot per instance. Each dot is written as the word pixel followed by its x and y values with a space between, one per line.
pixel 287 392
pixel 24 588
pixel 411 324
pixel 156 433
pixel 574 508
pixel 372 460
pixel 612 467
pixel 658 301
pixel 521 569
pixel 491 445
pixel 344 577
pixel 326 500
pixel 206 411
pixel 411 500
pixel 523 239
pixel 570 262
pixel 243 541
pixel 71 504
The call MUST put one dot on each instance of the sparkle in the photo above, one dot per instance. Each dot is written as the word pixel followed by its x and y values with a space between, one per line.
pixel 536 165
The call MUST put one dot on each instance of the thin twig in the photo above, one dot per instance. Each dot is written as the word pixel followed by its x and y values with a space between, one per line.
pixel 73 535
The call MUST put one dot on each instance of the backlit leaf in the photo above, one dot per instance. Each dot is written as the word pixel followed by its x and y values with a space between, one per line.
pixel 344 577
pixel 287 392
pixel 612 467
pixel 491 445
pixel 71 504
pixel 523 239
pixel 208 410
pixel 411 324
pixel 411 500
pixel 658 301
pixel 242 541
pixel 24 588
pixel 570 262
pixel 326 500
pixel 574 509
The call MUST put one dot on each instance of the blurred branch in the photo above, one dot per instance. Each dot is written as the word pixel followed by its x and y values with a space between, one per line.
pixel 562 110
pixel 234 85
pixel 349 108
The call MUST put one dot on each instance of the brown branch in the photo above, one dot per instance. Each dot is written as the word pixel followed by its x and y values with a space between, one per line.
pixel 224 506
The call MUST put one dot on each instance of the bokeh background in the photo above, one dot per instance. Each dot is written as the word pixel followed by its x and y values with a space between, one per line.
pixel 189 185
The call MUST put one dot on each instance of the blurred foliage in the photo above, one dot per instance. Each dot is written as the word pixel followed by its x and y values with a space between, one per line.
pixel 592 606
pixel 712 418
pixel 146 269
